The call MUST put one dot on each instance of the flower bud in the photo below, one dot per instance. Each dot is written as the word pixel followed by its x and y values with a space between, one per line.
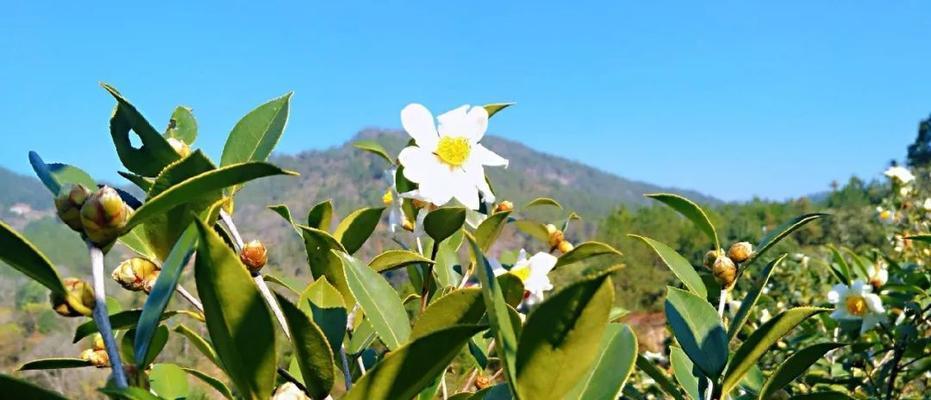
pixel 68 205
pixel 104 215
pixel 135 274
pixel 482 382
pixel 556 235
pixel 504 206
pixel 98 358
pixel 254 256
pixel 80 291
pixel 740 252
pixel 180 147
pixel 565 246
pixel 98 342
pixel 725 271
pixel 710 256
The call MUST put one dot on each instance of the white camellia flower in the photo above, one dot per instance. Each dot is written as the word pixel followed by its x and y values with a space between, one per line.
pixel 857 302
pixel 879 275
pixel 900 174
pixel 533 273
pixel 885 216
pixel 448 161
pixel 289 391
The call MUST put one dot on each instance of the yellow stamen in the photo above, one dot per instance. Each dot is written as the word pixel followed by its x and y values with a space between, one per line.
pixel 453 151
pixel 856 305
pixel 387 198
pixel 521 272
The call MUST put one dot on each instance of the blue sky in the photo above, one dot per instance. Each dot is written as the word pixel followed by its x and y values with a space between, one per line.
pixel 734 99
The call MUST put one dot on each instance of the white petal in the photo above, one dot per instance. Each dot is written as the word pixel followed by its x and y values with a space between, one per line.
pixel 860 287
pixel 869 321
pixel 838 292
pixel 484 156
pixel 464 190
pixel 418 122
pixel 465 122
pixel 542 262
pixel 420 165
pixel 874 303
pixel 478 120
pixel 476 175
pixel 522 255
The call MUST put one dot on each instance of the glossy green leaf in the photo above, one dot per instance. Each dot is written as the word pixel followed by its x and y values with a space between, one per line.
pixel 138 242
pixel 168 381
pixel 355 229
pixel 794 366
pixel 535 229
pixel 155 152
pixel 691 211
pixel 380 302
pixel 321 216
pixel 822 396
pixel 55 363
pixel 267 277
pixel 55 176
pixel 373 147
pixel 585 250
pixel 444 222
pixel 255 135
pixel 394 259
pixel 406 371
pixel 543 201
pixel 283 211
pixel 841 263
pixel 363 337
pixel 157 344
pixel 202 184
pixel 140 181
pixel 686 374
pixel 459 307
pixel 488 231
pixel 660 377
pixel 608 374
pixel 512 288
pixel 493 108
pixel 200 343
pixel 26 390
pixel 215 383
pixel 18 252
pixel 749 301
pixel 749 353
pixel 565 330
pixel 679 266
pixel 238 321
pixel 313 352
pixel 781 232
pixel 182 125
pixel 447 258
pixel 698 330
pixel 323 262
pixel 121 320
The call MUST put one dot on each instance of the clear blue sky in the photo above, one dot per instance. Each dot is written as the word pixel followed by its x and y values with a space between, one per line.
pixel 733 99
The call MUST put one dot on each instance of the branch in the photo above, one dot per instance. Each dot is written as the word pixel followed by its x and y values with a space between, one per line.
pixel 102 317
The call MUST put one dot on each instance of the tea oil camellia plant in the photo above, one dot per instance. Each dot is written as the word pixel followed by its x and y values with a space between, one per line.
pixel 543 326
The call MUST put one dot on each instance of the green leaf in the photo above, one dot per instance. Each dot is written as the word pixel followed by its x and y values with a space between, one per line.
pixel 18 252
pixel 200 185
pixel 822 396
pixel 565 330
pixel 543 201
pixel 313 352
pixel 447 258
pixel 698 329
pixel 748 302
pixel 665 384
pixel 585 250
pixel 200 343
pixel 535 229
pixel 497 310
pixel 362 337
pixel 749 353
pixel 459 307
pixel 679 266
pixel 238 320
pixel 283 211
pixel 168 381
pixel 137 241
pixel 164 289
pixel 394 259
pixel 493 108
pixel 607 375
pixel 322 301
pixel 129 393
pixel 794 366
pixel 512 288
pixel 406 371
pixel 267 277
pixel 158 342
pixel 140 181
pixel 26 390
pixel 924 237
pixel 182 125
pixel 841 263
pixel 489 230
pixel 55 363
pixel 255 135
pixel 686 374
pixel 444 222
pixel 781 232
pixel 373 147
pixel 119 321
pixel 215 383
pixel 55 176
pixel 355 229
pixel 323 262
pixel 689 210
pixel 155 152
pixel 321 215
pixel 379 301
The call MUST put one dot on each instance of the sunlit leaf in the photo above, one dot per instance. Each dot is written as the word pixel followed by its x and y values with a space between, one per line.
pixel 616 358
pixel 380 302
pixel 698 330
pixel 356 228
pixel 691 211
pixel 256 134
pixel 679 266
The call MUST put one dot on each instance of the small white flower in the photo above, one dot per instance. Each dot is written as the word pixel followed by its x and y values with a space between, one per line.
pixel 927 204
pixel 765 316
pixel 857 302
pixel 886 216
pixel 448 161
pixel 394 202
pixel 533 273
pixel 732 307
pixel 879 275
pixel 289 391
pixel 900 174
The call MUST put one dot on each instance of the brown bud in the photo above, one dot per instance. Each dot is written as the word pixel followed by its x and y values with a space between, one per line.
pixel 68 205
pixel 97 358
pixel 408 225
pixel 504 206
pixel 740 252
pixel 135 274
pixel 725 271
pixel 79 291
pixel 710 256
pixel 556 235
pixel 104 215
pixel 254 256
pixel 565 247
pixel 482 382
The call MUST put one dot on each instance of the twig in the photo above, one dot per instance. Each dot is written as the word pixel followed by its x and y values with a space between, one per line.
pixel 722 300
pixel 228 221
pixel 102 317
pixel 190 298
pixel 267 294
pixel 347 377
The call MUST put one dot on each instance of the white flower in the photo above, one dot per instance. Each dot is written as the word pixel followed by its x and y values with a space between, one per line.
pixel 879 275
pixel 886 216
pixel 289 391
pixel 857 302
pixel 765 316
pixel 732 307
pixel 533 273
pixel 448 161
pixel 927 204
pixel 393 202
pixel 900 174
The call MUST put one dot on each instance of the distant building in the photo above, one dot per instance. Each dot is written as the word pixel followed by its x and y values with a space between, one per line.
pixel 21 209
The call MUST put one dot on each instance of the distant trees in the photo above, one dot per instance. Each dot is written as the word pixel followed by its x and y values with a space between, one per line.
pixel 919 153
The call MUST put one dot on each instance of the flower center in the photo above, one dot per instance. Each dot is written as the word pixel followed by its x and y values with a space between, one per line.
pixel 522 272
pixel 453 151
pixel 856 305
